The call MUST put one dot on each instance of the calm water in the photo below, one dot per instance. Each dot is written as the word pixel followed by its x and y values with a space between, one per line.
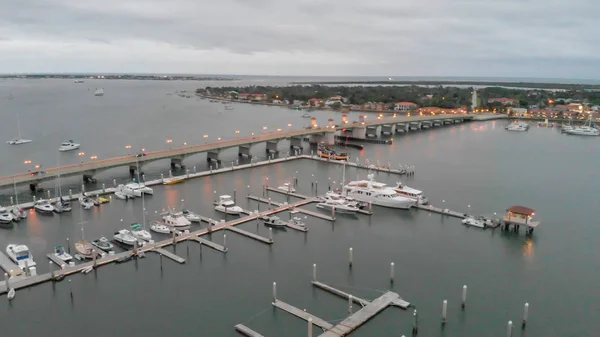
pixel 478 165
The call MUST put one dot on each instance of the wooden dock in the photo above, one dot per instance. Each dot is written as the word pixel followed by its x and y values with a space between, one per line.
pixel 296 227
pixel 250 235
pixel 210 244
pixel 9 266
pixel 438 210
pixel 170 255
pixel 398 303
pixel 357 319
pixel 56 260
pixel 246 331
pixel 315 214
pixel 291 194
pixel 302 314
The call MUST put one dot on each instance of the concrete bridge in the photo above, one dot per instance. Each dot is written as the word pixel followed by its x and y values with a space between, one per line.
pixel 317 134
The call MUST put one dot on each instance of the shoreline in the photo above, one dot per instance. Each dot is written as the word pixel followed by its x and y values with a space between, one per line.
pixel 531 85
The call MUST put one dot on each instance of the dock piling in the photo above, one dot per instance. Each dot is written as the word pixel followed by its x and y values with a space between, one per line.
pixel 103 188
pixel 71 289
pixel 525 314
pixel 271 234
pixel 350 304
pixel 114 182
pixel 333 213
pixel 392 272
pixel 314 272
pixel 70 194
pixel 509 328
pixel 224 240
pixel 188 251
pixel 11 201
pixel 274 292
pixel 49 196
pixel 174 238
pixel 464 297
pixel 444 311
pixel 82 189
pixel 68 246
pixel 187 171
pixel 310 327
pixel 34 199
pixel 161 262
pixel 94 258
pixel 350 257
pixel 234 196
pixel 51 269
pixel 415 329
pixel 6 281
pixel 162 178
pixel 194 168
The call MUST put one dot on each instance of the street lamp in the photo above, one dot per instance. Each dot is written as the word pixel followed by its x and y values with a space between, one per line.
pixel 27 162
pixel 184 143
pixel 128 147
pixel 81 155
pixel 237 132
pixel 93 157
pixel 219 138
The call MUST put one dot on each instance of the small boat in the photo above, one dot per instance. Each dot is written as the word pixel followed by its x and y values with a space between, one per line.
pixel 103 244
pixel 176 220
pixel 87 270
pixel 517 126
pixel 6 218
pixel 139 232
pixel 173 180
pixel 18 141
pixel 21 255
pixel 287 187
pixel 102 200
pixel 129 192
pixel 68 146
pixel 99 92
pixel 60 253
pixel 160 227
pixel 227 205
pixel 123 196
pixel 324 151
pixel 191 216
pixel 11 294
pixel 297 221
pixel 86 202
pixel 306 116
pixel 62 205
pixel 85 249
pixel 18 212
pixel 275 222
pixel 43 206
pixel 125 237
pixel 473 222
pixel 78 81
pixel 141 187
pixel 340 206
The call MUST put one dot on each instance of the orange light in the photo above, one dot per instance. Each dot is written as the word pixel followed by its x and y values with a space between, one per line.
pixel 289 125
pixel 93 157
pixel 128 146
pixel 37 166
pixel 28 162
pixel 237 132
pixel 219 138
pixel 205 136
pixel 169 140
pixel 81 153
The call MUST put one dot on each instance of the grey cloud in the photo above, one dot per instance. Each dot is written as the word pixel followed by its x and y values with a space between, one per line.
pixel 426 37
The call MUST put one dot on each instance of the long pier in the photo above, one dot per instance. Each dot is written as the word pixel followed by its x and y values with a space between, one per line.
pixel 302 314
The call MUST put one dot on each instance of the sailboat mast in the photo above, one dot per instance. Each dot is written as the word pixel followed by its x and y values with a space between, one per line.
pixel 343 174
pixel 16 194
pixel 18 127
pixel 143 211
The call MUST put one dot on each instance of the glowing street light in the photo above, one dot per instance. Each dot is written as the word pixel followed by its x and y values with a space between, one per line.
pixel 278 130
pixel 81 154
pixel 184 143
pixel 27 162
pixel 169 141
pixel 93 157
pixel 219 138
pixel 37 166
pixel 237 132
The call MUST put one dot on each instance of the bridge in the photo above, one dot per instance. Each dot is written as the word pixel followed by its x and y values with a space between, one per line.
pixel 317 134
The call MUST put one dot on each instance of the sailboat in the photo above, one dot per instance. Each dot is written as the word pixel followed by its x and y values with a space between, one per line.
pixel 60 205
pixel 84 248
pixel 16 210
pixel 18 140
pixel 138 231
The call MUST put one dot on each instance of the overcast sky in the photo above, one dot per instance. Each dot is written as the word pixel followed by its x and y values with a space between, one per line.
pixel 511 38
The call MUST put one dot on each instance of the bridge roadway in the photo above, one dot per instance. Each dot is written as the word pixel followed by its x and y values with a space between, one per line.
pixel 131 160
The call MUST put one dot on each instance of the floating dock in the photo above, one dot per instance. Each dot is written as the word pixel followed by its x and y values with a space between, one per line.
pixel 250 235
pixel 170 255
pixel 246 331
pixel 302 314
pixel 57 261
pixel 304 197
pixel 9 266
pixel 438 210
pixel 209 243
pixel 398 303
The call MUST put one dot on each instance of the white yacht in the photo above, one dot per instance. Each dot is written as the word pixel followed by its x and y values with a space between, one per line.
pixel 517 126
pixel 376 193
pixel 139 232
pixel 21 255
pixel 287 187
pixel 128 191
pixel 584 130
pixel 340 206
pixel 125 237
pixel 227 205
pixel 334 195
pixel 43 206
pixel 139 187
pixel 296 221
pixel 99 92
pixel 191 216
pixel 160 227
pixel 68 146
pixel 6 217
pixel 176 220
pixel 473 222
pixel 411 193
pixel 86 202
pixel 18 212
pixel 60 253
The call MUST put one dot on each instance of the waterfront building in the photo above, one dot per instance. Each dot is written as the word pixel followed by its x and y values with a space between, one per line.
pixel 404 106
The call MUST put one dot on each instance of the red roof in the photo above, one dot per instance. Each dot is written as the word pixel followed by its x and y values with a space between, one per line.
pixel 521 210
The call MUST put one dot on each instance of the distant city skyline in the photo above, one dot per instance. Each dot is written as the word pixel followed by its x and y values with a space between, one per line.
pixel 501 38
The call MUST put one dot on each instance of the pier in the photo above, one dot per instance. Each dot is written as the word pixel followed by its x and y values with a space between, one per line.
pixel 302 314
pixel 170 255
pixel 250 235
pixel 210 244
pixel 9 266
pixel 246 331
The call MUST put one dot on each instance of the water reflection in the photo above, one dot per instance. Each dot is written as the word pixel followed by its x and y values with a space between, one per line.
pixel 528 249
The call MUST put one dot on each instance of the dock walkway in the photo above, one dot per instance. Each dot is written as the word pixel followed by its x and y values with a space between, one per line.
pixel 357 319
pixel 246 331
pixel 170 255
pixel 209 243
pixel 398 303
pixel 302 314
pixel 250 235
pixel 438 210
pixel 9 266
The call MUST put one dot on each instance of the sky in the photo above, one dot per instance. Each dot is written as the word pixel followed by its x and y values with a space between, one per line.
pixel 480 38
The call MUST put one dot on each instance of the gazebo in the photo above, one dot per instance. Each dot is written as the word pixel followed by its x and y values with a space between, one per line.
pixel 520 216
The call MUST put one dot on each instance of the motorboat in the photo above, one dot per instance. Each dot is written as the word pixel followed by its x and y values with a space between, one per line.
pixel 18 141
pixel 340 206
pixel 176 220
pixel 125 237
pixel 411 193
pixel 85 249
pixel 139 232
pixel 297 222
pixel 227 205
pixel 43 206
pixel 86 202
pixel 128 191
pixel 68 146
pixel 333 195
pixel 469 221
pixel 191 216
pixel 123 196
pixel 160 227
pixel 87 270
pixel 517 126
pixel 59 252
pixel 376 193
pixel 584 130
pixel 546 124
pixel 78 81
pixel 103 243
pixel 287 187
pixel 173 180
pixel 306 116
pixel 18 212
pixel 62 205
pixel 140 187
pixel 275 222
pixel 99 92
pixel 6 217
pixel 11 294
pixel 99 200
pixel 21 255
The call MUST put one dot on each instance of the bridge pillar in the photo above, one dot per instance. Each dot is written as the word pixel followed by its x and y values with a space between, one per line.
pixel 33 187
pixel 134 168
pixel 328 138
pixel 387 129
pixel 402 127
pixel 447 121
pixel 244 150
pixel 415 125
pixel 88 176
pixel 437 122
pixel 371 131
pixel 213 156
pixel 272 146
pixel 426 124
pixel 177 161
pixel 359 132
pixel 296 143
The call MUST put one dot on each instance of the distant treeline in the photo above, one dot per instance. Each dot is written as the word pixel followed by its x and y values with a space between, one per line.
pixel 119 77
pixel 533 85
